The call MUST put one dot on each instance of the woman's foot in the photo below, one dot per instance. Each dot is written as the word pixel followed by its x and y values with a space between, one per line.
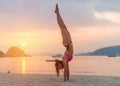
pixel 56 9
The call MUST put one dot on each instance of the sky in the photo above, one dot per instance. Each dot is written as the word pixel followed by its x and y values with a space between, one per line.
pixel 32 26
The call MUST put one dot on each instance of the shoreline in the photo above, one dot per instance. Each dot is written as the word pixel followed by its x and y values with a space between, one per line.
pixel 10 79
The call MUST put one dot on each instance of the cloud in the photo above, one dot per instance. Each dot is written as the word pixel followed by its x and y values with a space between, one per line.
pixel 108 5
pixel 41 12
pixel 82 12
pixel 109 16
pixel 26 13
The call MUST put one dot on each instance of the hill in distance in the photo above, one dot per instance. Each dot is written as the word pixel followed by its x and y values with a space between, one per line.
pixel 105 51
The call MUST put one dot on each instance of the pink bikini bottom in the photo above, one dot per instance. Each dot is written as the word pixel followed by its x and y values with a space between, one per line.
pixel 70 57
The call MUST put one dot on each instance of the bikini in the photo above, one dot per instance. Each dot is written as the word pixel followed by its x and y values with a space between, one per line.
pixel 70 57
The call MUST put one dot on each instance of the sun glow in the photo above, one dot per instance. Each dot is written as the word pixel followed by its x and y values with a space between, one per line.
pixel 23 44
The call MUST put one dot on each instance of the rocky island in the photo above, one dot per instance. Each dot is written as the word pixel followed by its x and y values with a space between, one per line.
pixel 2 54
pixel 14 52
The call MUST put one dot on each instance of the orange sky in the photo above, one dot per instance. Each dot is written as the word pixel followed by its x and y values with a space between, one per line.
pixel 32 25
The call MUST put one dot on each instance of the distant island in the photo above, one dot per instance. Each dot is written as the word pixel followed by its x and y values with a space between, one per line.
pixel 13 52
pixel 111 51
pixel 57 55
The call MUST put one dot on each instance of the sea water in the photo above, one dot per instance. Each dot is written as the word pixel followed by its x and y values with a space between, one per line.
pixel 83 65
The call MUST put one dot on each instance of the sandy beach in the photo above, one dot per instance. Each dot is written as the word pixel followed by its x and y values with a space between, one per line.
pixel 52 80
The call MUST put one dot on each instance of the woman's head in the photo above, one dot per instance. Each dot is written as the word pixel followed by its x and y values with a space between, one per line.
pixel 58 66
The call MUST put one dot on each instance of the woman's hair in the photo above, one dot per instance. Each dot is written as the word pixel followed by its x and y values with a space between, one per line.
pixel 58 66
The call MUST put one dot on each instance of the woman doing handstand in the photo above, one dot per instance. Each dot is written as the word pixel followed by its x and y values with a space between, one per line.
pixel 67 42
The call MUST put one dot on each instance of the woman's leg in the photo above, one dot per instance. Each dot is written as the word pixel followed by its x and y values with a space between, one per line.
pixel 65 34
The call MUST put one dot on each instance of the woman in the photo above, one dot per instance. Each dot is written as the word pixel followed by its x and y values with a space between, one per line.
pixel 67 42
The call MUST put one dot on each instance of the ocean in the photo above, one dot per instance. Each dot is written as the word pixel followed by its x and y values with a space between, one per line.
pixel 82 65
